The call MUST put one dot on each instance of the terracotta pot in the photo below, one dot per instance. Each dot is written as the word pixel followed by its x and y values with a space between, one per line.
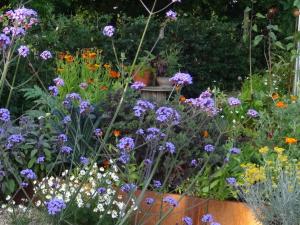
pixel 145 76
pixel 224 212
pixel 164 81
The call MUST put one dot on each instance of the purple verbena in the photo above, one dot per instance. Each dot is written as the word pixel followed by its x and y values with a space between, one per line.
pixel 187 220
pixel 154 133
pixel 252 113
pixel 232 101
pixel 126 144
pixel 231 181
pixel 55 206
pixel 181 79
pixel 59 82
pixel 149 201
pixel 40 159
pixel 172 15
pixel 141 107
pixel 171 201
pixel 156 184
pixel 4 115
pixel 29 174
pixel 235 151
pixel 14 139
pixel 207 218
pixel 108 31
pixel 85 107
pixel 137 85
pixel 45 55
pixel 23 51
pixel 167 115
pixel 84 161
pixel 209 148
pixel 53 90
pixel 168 147
pixel 101 190
pixel 66 149
pixel 128 187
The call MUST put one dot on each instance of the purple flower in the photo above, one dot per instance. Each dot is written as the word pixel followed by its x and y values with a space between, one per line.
pixel 98 132
pixel 4 41
pixel 171 201
pixel 2 173
pixel 148 162
pixel 40 159
pixel 109 31
pixel 137 85
pixel 66 149
pixel 209 148
pixel 140 132
pixel 101 190
pixel 194 163
pixel 141 107
pixel 4 115
pixel 85 107
pixel 126 144
pixel 22 17
pixel 83 86
pixel 231 181
pixel 187 220
pixel 167 115
pixel 66 120
pixel 62 138
pixel 14 139
pixel 45 55
pixel 53 90
pixel 205 103
pixel 154 133
pixel 149 201
pixel 181 79
pixel 207 218
pixel 215 223
pixel 55 206
pixel 29 174
pixel 23 51
pixel 156 183
pixel 124 158
pixel 59 82
pixel 73 96
pixel 169 147
pixel 235 151
pixel 83 160
pixel 232 101
pixel 252 113
pixel 24 184
pixel 172 15
pixel 128 187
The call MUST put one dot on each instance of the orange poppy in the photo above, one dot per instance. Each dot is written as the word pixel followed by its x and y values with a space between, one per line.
pixel 205 134
pixel 107 66
pixel 281 104
pixel 69 58
pixel 117 133
pixel 182 99
pixel 92 55
pixel 103 88
pixel 275 96
pixel 84 55
pixel 90 80
pixel 114 74
pixel 291 140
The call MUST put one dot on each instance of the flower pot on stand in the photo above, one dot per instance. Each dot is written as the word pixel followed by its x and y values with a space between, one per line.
pixel 164 81
pixel 145 76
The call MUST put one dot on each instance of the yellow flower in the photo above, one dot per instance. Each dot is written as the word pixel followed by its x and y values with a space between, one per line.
pixel 263 150
pixel 282 158
pixel 278 150
pixel 253 173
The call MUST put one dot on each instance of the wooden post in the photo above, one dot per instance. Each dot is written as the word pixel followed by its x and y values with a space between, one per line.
pixel 296 87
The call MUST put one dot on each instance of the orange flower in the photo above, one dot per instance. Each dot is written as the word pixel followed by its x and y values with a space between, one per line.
pixel 92 55
pixel 205 134
pixel 90 80
pixel 92 67
pixel 84 55
pixel 107 66
pixel 103 88
pixel 291 140
pixel 69 58
pixel 281 104
pixel 117 133
pixel 294 98
pixel 182 99
pixel 275 96
pixel 114 74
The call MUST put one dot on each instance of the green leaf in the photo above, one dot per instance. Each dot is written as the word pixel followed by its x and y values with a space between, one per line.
pixel 259 15
pixel 248 9
pixel 33 153
pixel 31 162
pixel 257 40
pixel 297 3
pixel 254 27
pixel 279 44
pixel 10 185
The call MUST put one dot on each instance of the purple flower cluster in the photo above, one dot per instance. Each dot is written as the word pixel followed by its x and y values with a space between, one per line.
pixel 172 15
pixel 124 158
pixel 181 79
pixel 83 85
pixel 194 163
pixel 45 55
pixel 85 107
pixel 23 51
pixel 148 162
pixel 73 96
pixel 22 17
pixel 66 149
pixel 140 131
pixel 53 90
pixel 101 190
pixel 235 151
pixel 59 82
pixel 137 85
pixel 252 113
pixel 171 201
pixel 232 101
pixel 14 31
pixel 4 115
pixel 66 120
pixel 126 144
pixel 62 138
pixel 109 31
pixel 231 181
pixel 98 132
pixel 141 107
pixel 40 159
pixel 14 139
pixel 84 161
pixel 29 174
pixel 208 218
pixel 4 41
pixel 204 102
pixel 209 148
pixel 167 115
pixel 128 187
pixel 168 147
pixel 149 201
pixel 187 220
pixel 55 206
pixel 154 133
pixel 156 183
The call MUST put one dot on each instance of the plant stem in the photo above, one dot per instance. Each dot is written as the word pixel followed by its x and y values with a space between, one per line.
pixel 13 83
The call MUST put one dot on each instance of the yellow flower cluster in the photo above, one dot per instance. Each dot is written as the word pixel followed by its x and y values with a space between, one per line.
pixel 253 173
